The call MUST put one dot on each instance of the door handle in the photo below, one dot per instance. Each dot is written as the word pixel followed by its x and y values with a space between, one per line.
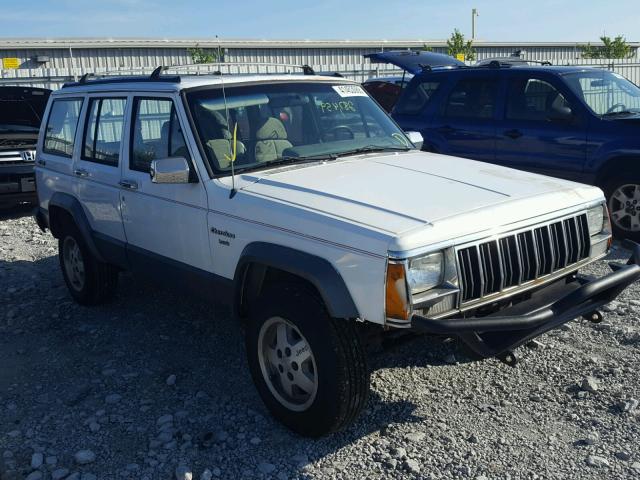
pixel 513 134
pixel 128 184
pixel 81 172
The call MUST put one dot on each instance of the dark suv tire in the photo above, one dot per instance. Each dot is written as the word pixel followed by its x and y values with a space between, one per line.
pixel 89 281
pixel 623 200
pixel 309 369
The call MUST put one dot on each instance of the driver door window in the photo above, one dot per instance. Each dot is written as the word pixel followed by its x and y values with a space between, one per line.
pixel 534 100
pixel 156 133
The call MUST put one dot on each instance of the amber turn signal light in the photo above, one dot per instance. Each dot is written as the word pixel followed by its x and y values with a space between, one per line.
pixel 397 304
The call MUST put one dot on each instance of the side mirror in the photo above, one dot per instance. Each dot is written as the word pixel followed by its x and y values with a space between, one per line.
pixel 169 170
pixel 416 139
pixel 561 114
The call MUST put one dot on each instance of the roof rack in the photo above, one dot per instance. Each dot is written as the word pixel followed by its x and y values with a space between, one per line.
pixel 158 74
pixel 506 62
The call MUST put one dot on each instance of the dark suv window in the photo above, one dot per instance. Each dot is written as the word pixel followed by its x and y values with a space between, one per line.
pixel 471 98
pixel 533 99
pixel 416 97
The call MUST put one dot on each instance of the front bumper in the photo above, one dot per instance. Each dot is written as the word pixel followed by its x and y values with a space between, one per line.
pixel 548 308
pixel 17 183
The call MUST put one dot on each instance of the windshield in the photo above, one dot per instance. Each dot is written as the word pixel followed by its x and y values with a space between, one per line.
pixel 605 93
pixel 294 122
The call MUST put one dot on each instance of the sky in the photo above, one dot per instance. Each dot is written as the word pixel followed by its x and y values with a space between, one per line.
pixel 515 20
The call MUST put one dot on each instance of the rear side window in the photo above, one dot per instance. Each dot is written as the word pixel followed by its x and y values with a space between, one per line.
pixel 156 133
pixel 103 132
pixel 533 100
pixel 416 98
pixel 61 127
pixel 472 98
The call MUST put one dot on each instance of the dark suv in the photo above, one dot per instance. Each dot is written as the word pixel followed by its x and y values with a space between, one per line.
pixel 21 110
pixel 578 123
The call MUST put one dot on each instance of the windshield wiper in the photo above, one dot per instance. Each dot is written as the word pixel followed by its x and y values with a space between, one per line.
pixel 373 148
pixel 621 112
pixel 288 160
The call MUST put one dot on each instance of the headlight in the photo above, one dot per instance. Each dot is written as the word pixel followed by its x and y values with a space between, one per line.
pixel 425 272
pixel 596 219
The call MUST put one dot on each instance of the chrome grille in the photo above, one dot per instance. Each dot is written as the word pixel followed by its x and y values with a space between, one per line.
pixel 491 267
pixel 10 156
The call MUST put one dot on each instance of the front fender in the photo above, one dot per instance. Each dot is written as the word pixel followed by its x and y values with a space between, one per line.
pixel 316 270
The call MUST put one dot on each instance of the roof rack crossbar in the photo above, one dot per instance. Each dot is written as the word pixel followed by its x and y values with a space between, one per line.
pixel 111 76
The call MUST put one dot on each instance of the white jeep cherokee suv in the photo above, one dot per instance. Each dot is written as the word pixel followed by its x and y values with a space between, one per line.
pixel 296 200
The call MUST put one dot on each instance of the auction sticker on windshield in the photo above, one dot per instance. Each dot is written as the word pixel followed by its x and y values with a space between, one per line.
pixel 350 90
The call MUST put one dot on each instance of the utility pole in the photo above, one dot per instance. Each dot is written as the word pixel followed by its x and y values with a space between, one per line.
pixel 474 14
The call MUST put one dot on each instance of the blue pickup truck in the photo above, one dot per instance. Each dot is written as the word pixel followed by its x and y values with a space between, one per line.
pixel 577 123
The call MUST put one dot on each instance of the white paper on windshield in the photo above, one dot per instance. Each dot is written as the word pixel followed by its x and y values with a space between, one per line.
pixel 349 91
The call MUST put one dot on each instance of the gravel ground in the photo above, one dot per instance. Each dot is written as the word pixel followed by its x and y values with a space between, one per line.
pixel 155 385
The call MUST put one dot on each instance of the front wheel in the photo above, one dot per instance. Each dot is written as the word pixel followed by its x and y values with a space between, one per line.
pixel 309 369
pixel 623 200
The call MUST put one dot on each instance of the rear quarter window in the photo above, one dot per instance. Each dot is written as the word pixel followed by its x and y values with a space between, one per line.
pixel 61 127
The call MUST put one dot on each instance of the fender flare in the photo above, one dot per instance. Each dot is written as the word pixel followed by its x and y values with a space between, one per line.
pixel 316 270
pixel 72 206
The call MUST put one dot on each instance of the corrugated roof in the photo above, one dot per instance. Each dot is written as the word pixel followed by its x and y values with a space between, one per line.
pixel 17 43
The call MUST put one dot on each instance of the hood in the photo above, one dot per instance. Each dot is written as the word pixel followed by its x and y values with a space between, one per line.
pixel 21 108
pixel 416 198
pixel 414 62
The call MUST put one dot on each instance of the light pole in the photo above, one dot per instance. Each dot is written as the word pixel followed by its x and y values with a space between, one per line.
pixel 474 14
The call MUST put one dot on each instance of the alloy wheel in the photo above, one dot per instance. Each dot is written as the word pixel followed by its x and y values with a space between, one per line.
pixel 287 364
pixel 73 263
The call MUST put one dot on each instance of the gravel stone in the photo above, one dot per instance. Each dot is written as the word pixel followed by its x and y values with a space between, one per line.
pixel 415 437
pixel 624 456
pixel 171 380
pixel 59 474
pixel 37 459
pixel 590 384
pixel 84 457
pixel 266 468
pixel 412 465
pixel 183 473
pixel 113 398
pixel 37 475
pixel 597 461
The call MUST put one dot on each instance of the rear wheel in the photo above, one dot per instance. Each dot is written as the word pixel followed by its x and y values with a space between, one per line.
pixel 309 369
pixel 89 281
pixel 623 200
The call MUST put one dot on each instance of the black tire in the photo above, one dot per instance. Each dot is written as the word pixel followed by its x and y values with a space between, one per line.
pixel 100 279
pixel 625 227
pixel 340 361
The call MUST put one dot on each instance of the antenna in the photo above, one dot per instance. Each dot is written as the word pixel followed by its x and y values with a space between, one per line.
pixel 231 148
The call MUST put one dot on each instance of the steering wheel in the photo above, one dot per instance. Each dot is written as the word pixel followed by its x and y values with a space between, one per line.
pixel 333 132
pixel 613 108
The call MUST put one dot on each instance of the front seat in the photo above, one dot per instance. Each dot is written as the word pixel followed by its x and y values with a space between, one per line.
pixel 271 140
pixel 217 137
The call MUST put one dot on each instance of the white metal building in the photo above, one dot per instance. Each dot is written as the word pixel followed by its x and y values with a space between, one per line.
pixel 52 61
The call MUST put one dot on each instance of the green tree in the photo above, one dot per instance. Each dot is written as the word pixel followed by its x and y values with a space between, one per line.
pixel 458 45
pixel 616 48
pixel 198 55
pixel 427 48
